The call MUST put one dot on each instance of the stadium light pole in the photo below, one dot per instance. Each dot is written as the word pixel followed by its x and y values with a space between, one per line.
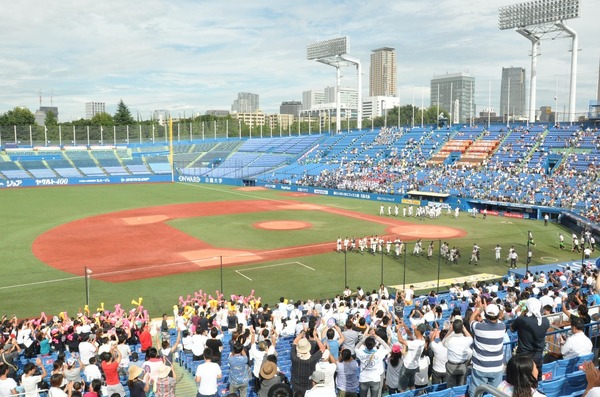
pixel 536 20
pixel 333 52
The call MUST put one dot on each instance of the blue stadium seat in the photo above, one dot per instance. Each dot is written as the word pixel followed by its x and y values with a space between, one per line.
pixel 564 366
pixel 575 382
pixel 553 388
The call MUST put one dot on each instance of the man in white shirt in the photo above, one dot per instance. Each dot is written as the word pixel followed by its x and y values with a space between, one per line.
pixel 199 343
pixel 458 342
pixel 8 386
pixel 371 360
pixel 409 294
pixel 440 356
pixel 578 344
pixel 87 348
pixel 410 360
pixel 319 388
pixel 207 375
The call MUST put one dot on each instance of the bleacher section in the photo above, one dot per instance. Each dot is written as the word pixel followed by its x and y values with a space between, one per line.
pixel 534 164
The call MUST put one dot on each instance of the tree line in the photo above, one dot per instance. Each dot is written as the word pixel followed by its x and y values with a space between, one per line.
pixel 409 115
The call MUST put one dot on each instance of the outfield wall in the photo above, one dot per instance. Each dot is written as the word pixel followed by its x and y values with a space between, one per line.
pixel 470 206
pixel 86 180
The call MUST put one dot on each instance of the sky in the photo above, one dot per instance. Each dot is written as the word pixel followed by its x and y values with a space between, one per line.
pixel 188 56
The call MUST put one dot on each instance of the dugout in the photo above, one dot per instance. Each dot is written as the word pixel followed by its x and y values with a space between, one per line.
pixel 426 196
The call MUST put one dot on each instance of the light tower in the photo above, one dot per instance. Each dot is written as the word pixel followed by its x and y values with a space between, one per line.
pixel 543 19
pixel 333 52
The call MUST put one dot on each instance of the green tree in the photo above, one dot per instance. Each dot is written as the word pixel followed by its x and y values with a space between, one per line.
pixel 123 115
pixel 102 119
pixel 51 119
pixel 18 116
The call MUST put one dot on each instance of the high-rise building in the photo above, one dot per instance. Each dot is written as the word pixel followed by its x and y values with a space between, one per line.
pixel 348 97
pixel 93 108
pixel 312 98
pixel 290 107
pixel 454 93
pixel 378 106
pixel 246 102
pixel 512 94
pixel 382 75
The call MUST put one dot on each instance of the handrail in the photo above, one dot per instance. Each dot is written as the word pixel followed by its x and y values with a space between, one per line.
pixel 481 389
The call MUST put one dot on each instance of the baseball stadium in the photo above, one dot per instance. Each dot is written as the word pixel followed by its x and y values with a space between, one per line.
pixel 263 214
pixel 305 254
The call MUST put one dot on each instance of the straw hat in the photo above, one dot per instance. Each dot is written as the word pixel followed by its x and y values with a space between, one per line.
pixel 134 372
pixel 163 371
pixel 268 370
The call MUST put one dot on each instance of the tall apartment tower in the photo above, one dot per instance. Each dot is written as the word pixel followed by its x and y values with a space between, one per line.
pixel 93 108
pixel 383 72
pixel 512 94
pixel 312 98
pixel 246 102
pixel 454 93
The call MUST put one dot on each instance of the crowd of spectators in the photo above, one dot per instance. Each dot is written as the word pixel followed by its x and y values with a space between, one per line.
pixel 382 341
pixel 526 179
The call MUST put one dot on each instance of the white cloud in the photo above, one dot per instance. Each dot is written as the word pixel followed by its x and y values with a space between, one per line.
pixel 196 55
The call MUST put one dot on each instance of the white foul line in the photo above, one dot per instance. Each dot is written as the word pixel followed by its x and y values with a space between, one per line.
pixel 267 266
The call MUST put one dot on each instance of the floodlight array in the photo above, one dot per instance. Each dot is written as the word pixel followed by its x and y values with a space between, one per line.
pixel 537 12
pixel 327 48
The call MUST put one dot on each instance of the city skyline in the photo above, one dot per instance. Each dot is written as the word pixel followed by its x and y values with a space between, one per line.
pixel 189 57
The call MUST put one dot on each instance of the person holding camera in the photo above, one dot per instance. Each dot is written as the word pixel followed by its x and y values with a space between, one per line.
pixel 458 341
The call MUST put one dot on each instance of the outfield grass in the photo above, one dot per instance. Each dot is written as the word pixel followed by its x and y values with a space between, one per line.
pixel 29 287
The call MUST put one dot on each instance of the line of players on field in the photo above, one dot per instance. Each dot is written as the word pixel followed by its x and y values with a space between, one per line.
pixel 379 245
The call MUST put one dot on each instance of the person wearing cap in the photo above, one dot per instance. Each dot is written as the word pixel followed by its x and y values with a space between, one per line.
pixel 327 366
pixel 458 341
pixel 165 383
pixel 488 345
pixel 410 360
pixel 303 362
pixel 371 360
pixel 318 386
pixel 239 371
pixel 73 368
pixel 207 376
pixel 392 372
pixel 137 387
pixel 531 329
pixel 268 377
